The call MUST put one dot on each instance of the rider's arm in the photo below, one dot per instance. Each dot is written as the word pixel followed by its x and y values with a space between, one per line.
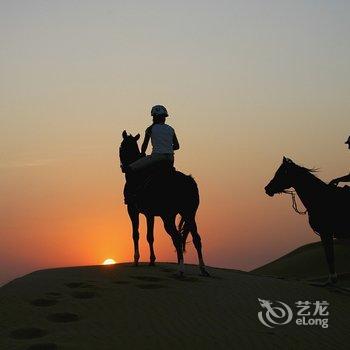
pixel 146 140
pixel 176 144
pixel 345 178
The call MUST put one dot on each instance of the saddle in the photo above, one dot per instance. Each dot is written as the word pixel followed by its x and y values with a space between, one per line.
pixel 137 184
pixel 342 189
pixel 341 195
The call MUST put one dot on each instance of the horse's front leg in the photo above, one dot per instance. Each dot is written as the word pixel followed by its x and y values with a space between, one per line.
pixel 150 238
pixel 327 241
pixel 134 217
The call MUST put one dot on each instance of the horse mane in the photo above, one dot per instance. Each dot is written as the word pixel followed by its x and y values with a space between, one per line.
pixel 309 171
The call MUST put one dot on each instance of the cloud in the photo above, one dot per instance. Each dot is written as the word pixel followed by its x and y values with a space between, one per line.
pixel 26 160
pixel 28 163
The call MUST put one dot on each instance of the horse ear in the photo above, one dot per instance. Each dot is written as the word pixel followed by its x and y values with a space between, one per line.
pixel 287 160
pixel 137 137
pixel 125 135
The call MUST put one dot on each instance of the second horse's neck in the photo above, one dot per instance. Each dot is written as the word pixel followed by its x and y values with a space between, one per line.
pixel 309 188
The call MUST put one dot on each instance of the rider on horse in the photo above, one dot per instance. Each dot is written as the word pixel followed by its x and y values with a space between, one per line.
pixel 345 178
pixel 160 190
pixel 160 161
pixel 163 139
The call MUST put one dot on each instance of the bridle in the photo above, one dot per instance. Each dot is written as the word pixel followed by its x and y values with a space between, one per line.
pixel 294 202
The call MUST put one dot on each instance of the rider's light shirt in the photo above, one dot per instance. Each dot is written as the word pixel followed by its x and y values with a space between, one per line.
pixel 162 136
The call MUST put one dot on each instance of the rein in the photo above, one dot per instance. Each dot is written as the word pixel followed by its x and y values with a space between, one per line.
pixel 294 202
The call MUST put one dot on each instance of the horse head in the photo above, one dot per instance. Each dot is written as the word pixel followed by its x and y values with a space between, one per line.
pixel 283 178
pixel 129 150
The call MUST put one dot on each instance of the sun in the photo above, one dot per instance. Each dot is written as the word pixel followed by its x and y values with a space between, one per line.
pixel 109 262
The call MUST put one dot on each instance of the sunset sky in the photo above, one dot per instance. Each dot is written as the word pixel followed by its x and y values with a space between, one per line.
pixel 245 82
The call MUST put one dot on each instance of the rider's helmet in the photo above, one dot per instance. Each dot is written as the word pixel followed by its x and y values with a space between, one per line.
pixel 159 111
pixel 348 141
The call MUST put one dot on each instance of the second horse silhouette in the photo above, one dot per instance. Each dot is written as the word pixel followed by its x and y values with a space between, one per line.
pixel 327 205
pixel 162 192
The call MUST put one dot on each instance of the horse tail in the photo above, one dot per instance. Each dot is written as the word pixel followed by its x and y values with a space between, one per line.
pixel 190 202
pixel 184 230
pixel 181 224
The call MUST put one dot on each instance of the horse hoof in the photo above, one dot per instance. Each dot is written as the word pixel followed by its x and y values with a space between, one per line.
pixel 136 263
pixel 152 263
pixel 327 283
pixel 333 278
pixel 181 274
pixel 204 272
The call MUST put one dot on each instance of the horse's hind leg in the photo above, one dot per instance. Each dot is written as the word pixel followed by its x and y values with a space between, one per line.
pixel 150 239
pixel 134 217
pixel 327 241
pixel 170 228
pixel 198 245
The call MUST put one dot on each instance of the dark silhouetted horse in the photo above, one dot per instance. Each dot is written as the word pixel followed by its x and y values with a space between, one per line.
pixel 327 205
pixel 164 193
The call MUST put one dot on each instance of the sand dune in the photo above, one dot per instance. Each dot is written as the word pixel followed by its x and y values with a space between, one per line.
pixel 308 262
pixel 123 307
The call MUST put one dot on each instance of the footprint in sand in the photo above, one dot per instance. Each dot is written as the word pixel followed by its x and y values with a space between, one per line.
pixel 63 317
pixel 150 286
pixel 28 333
pixel 121 282
pixel 147 278
pixel 43 346
pixel 168 270
pixel 84 294
pixel 184 278
pixel 211 277
pixel 79 285
pixel 54 294
pixel 44 302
